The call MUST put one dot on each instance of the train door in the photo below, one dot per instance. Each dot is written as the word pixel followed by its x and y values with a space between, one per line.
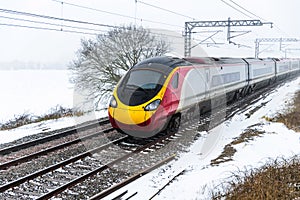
pixel 175 92
pixel 207 82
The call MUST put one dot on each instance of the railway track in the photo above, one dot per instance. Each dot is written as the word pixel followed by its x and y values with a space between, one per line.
pixel 51 149
pixel 56 179
pixel 45 139
pixel 82 175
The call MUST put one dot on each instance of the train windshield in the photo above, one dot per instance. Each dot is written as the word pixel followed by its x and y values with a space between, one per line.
pixel 140 85
pixel 145 79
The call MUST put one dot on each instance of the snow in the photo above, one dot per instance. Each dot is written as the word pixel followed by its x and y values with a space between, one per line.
pixel 49 125
pixel 31 129
pixel 33 92
pixel 199 177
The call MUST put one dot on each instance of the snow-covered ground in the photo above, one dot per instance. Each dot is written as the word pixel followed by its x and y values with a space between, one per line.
pixel 33 92
pixel 46 126
pixel 199 177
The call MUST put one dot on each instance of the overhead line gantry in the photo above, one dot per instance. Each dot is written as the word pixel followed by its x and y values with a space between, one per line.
pixel 189 26
pixel 280 40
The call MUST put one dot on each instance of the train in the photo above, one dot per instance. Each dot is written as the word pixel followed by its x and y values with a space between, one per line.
pixel 156 93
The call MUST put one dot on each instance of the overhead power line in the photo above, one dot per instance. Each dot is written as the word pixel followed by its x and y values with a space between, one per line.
pixel 250 13
pixel 48 29
pixel 52 24
pixel 55 18
pixel 236 9
pixel 170 11
pixel 116 14
pixel 247 10
pixel 58 26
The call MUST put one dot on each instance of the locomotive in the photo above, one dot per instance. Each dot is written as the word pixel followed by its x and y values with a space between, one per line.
pixel 155 94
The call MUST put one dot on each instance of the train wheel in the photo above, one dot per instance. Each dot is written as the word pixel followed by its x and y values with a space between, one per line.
pixel 174 124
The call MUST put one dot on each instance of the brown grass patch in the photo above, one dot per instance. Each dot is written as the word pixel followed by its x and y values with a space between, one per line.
pixel 278 179
pixel 291 117
pixel 24 119
pixel 229 150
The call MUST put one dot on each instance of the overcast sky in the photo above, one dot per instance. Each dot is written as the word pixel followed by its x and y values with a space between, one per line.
pixel 44 46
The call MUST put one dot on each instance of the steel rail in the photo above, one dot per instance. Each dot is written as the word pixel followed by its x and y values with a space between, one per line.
pixel 45 139
pixel 131 179
pixel 100 169
pixel 58 165
pixel 50 149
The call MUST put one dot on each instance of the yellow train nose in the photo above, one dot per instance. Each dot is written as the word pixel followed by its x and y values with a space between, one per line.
pixel 130 116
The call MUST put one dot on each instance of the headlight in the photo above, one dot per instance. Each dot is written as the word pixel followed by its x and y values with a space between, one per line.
pixel 113 102
pixel 153 105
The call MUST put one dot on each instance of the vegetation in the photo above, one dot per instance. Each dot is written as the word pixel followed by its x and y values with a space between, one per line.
pixel 291 118
pixel 278 179
pixel 24 119
pixel 102 62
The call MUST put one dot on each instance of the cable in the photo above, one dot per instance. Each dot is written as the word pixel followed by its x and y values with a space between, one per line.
pixel 116 14
pixel 55 18
pixel 255 15
pixel 251 14
pixel 60 19
pixel 60 25
pixel 170 11
pixel 236 9
pixel 247 10
pixel 49 29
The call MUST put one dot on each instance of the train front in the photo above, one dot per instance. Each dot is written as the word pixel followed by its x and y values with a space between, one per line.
pixel 136 105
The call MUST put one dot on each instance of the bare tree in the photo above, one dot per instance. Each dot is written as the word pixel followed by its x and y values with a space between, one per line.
pixel 102 62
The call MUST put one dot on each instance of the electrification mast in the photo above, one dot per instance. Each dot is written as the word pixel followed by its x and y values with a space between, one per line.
pixel 280 40
pixel 189 26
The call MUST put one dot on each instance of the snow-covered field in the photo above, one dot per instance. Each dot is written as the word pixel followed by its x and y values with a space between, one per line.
pixel 33 92
pixel 199 177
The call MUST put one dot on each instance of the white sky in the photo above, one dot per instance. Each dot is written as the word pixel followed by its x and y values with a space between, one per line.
pixel 30 45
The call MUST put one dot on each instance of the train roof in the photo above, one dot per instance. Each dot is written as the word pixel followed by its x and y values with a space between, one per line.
pixel 171 62
pixel 214 60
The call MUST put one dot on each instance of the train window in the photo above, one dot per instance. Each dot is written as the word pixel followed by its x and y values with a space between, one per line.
pixel 175 81
pixel 225 78
pixel 139 86
pixel 146 79
pixel 262 71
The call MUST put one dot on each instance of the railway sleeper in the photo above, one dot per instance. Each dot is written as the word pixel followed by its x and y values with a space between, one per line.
pixel 79 172
pixel 27 193
pixel 80 166
pixel 62 176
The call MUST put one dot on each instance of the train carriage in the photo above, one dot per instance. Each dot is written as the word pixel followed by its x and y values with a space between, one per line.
pixel 282 67
pixel 261 72
pixel 294 66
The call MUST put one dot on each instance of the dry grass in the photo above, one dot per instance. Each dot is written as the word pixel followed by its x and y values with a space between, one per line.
pixel 229 150
pixel 278 179
pixel 24 119
pixel 291 117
